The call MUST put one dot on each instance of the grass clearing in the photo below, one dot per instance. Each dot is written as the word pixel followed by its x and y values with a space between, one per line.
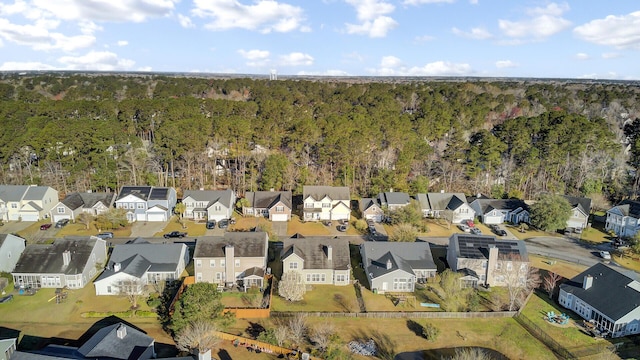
pixel 595 234
pixel 627 259
pixel 191 227
pixel 321 298
pixel 309 228
pixel 515 230
pixel 249 222
pixel 565 269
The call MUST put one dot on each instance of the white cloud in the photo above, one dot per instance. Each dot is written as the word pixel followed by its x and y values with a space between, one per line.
pixel 185 21
pixel 145 68
pixel 502 64
pixel 296 59
pixel 478 33
pixel 96 60
pixel 263 15
pixel 15 66
pixel 257 58
pixel 38 36
pixel 374 29
pixel 473 2
pixel 438 68
pixel 617 31
pixel 611 55
pixel 418 2
pixel 390 62
pixel 373 20
pixel 123 43
pixel 541 23
pixel 582 56
pixel 323 73
pixel 106 10
pixel 424 38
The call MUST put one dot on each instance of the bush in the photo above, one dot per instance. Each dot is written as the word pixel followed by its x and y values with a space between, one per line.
pixel 430 332
pixel 360 225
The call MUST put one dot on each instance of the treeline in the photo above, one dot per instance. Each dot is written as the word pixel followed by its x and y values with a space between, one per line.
pixel 515 139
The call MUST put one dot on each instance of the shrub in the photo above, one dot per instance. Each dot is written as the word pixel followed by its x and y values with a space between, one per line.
pixel 430 332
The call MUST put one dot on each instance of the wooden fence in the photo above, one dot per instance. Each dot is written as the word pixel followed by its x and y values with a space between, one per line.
pixel 255 344
pixel 403 314
pixel 249 313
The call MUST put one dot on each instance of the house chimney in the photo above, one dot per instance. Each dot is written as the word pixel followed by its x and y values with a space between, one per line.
pixel 442 191
pixel 391 190
pixel 66 257
pixel 587 282
pixel 389 264
pixel 121 332
pixel 116 267
pixel 206 355
pixel 330 252
pixel 272 189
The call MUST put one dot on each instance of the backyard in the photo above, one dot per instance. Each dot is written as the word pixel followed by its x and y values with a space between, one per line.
pixel 326 298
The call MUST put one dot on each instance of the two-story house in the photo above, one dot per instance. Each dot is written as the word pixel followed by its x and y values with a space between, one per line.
pixel 209 204
pixel 74 204
pixel 147 203
pixel 580 210
pixel 370 209
pixel 70 262
pixel 139 263
pixel 605 296
pixel 11 247
pixel 498 211
pixel 396 266
pixel 320 260
pixel 237 258
pixel 393 200
pixel 449 206
pixel 274 205
pixel 624 218
pixel 488 261
pixel 26 202
pixel 326 203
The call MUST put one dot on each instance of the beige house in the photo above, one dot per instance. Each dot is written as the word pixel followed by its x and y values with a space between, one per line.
pixel 274 205
pixel 326 203
pixel 320 260
pixel 488 261
pixel 238 258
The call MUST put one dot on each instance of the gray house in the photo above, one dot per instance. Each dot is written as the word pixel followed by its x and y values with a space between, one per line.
pixel 147 203
pixel 498 211
pixel 140 263
pixel 76 203
pixel 580 210
pixel 11 247
pixel 320 260
pixel 393 200
pixel 70 262
pixel 396 266
pixel 606 297
pixel 274 205
pixel 209 204
pixel 370 209
pixel 450 206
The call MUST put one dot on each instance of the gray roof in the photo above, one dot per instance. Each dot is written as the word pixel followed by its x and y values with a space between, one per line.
pixel 245 244
pixel 488 205
pixel 469 246
pixel 366 203
pixel 4 237
pixel 47 259
pixel 581 203
pixel 424 201
pixel 612 293
pixel 404 256
pixel 629 208
pixel 107 344
pixel 35 192
pixel 268 199
pixel 211 196
pixel 139 257
pixel 12 192
pixel 141 192
pixel 394 198
pixel 446 201
pixel 333 192
pixel 313 250
pixel 88 200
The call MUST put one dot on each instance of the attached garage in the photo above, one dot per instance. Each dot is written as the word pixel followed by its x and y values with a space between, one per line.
pixel 157 213
pixel 492 219
pixel 279 217
pixel 374 217
pixel 29 216
pixel 57 218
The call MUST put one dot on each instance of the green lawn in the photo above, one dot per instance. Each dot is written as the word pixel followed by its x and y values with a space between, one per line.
pixel 191 227
pixel 321 298
pixel 309 228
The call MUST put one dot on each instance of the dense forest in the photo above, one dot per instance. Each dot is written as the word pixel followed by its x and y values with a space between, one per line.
pixel 506 138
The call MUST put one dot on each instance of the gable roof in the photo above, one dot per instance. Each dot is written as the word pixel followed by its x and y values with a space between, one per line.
pixel 35 192
pixel 488 205
pixel 394 198
pixel 139 257
pixel 612 293
pixel 582 203
pixel 245 244
pixel 87 200
pixel 211 196
pixel 629 208
pixel 446 201
pixel 141 192
pixel 424 201
pixel 401 256
pixel 48 259
pixel 366 203
pixel 333 192
pixel 118 341
pixel 6 238
pixel 268 199
pixel 12 192
pixel 477 247
pixel 314 252
pixel 160 193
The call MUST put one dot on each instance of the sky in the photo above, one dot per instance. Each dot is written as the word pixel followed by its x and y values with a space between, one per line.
pixel 592 39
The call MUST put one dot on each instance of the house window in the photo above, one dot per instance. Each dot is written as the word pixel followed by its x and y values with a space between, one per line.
pixel 279 208
pixel 222 263
pixel 293 265
pixel 218 276
pixel 108 289
pixel 140 205
pixel 316 277
pixel 340 278
pixel 498 266
pixel 401 284
pixel 61 210
pixel 212 263
pixel 237 262
pixel 14 206
pixel 198 263
pixel 326 205
pixel 249 211
pixel 199 276
pixel 509 266
pixel 484 264
pixel 217 208
pixel 308 205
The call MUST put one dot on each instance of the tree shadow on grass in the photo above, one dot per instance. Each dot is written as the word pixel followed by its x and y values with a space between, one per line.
pixel 415 328
pixel 385 347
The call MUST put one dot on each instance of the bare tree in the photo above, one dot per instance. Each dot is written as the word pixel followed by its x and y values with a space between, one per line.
pixel 321 335
pixel 550 282
pixel 291 286
pixel 297 326
pixel 404 232
pixel 198 337
pixel 470 354
pixel 282 334
pixel 85 219
pixel 132 290
pixel 518 277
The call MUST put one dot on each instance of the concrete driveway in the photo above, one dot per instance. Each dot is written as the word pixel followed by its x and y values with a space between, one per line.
pixel 12 227
pixel 280 228
pixel 146 229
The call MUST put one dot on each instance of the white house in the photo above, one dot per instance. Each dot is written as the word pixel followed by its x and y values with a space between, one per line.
pixel 11 247
pixel 326 203
pixel 606 297
pixel 77 203
pixel 450 206
pixel 209 204
pixel 498 211
pixel 26 202
pixel 624 218
pixel 147 203
pixel 320 260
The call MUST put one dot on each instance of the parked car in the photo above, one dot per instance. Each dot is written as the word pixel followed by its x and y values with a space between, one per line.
pixel 494 227
pixel 475 231
pixel 469 223
pixel 232 221
pixel 605 255
pixel 45 226
pixel 211 224
pixel 342 228
pixel 464 228
pixel 501 232
pixel 105 235
pixel 175 234
pixel 62 223
pixel 223 224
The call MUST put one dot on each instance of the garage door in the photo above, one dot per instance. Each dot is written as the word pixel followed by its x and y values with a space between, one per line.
pixel 156 217
pixel 29 217
pixel 492 220
pixel 374 217
pixel 279 217
pixel 56 218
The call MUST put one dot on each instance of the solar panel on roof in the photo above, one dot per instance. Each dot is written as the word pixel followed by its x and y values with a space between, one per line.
pixel 159 193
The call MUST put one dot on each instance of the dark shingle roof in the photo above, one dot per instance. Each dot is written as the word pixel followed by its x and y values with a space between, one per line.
pixel 245 244
pixel 12 192
pixel 140 257
pixel 48 259
pixel 446 201
pixel 487 205
pixel 333 192
pixel 35 192
pixel 366 203
pixel 477 247
pixel 394 198
pixel 630 208
pixel 403 256
pixel 159 193
pixel 267 199
pixel 582 203
pixel 612 293
pixel 211 196
pixel 314 252
pixel 87 200
pixel 141 192
pixel 107 344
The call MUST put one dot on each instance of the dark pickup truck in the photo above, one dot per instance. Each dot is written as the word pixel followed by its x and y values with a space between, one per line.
pixel 175 234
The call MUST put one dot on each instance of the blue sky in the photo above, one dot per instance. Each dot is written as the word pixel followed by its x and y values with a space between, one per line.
pixel 570 39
